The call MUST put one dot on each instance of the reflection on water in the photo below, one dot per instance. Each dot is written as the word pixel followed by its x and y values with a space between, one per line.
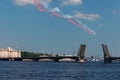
pixel 59 71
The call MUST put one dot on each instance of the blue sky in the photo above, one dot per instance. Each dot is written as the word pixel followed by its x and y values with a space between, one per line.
pixel 24 27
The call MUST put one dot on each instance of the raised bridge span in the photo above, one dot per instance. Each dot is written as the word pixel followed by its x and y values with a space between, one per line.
pixel 107 57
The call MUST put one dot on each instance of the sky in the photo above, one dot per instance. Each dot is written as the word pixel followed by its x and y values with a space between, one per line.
pixel 24 26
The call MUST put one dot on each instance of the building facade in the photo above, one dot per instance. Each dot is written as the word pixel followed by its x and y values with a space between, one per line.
pixel 9 53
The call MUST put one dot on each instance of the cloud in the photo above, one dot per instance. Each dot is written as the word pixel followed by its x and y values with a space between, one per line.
pixel 47 1
pixel 91 17
pixel 100 25
pixel 56 9
pixel 23 2
pixel 115 12
pixel 71 2
pixel 26 2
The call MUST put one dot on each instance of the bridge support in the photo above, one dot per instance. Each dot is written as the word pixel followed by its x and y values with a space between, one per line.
pixel 17 59
pixel 81 53
pixel 107 60
pixel 77 59
pixel 35 59
pixel 82 60
pixel 56 59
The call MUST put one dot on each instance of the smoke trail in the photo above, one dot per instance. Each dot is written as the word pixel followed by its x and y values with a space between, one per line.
pixel 88 29
pixel 43 7
pixel 81 26
pixel 55 12
pixel 39 5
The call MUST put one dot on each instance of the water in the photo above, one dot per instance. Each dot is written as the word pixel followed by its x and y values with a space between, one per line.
pixel 59 71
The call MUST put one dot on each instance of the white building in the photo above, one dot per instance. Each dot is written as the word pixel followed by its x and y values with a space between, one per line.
pixel 9 53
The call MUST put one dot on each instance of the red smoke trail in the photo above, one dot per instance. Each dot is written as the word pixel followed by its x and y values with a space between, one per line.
pixel 39 6
pixel 54 13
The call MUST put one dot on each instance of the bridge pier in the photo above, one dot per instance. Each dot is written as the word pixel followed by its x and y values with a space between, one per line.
pixel 18 59
pixel 107 60
pixel 56 59
pixel 77 59
pixel 35 59
pixel 81 60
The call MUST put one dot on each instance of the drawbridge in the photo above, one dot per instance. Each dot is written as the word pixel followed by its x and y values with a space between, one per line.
pixel 78 58
pixel 81 52
pixel 107 57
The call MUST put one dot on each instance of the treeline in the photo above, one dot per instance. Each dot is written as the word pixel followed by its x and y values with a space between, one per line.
pixel 32 54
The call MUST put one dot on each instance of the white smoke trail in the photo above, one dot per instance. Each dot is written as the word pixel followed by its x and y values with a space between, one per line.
pixel 91 31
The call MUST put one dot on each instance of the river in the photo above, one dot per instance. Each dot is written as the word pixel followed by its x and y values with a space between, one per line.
pixel 16 70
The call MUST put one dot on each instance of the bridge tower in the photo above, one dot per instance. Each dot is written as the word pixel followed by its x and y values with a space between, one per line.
pixel 107 56
pixel 81 52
